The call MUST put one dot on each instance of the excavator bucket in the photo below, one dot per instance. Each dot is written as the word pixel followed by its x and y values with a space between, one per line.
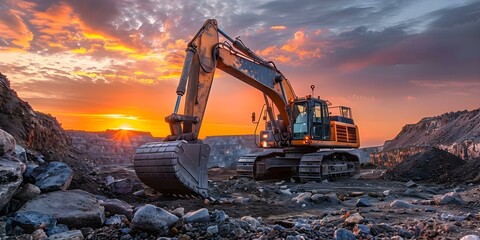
pixel 175 167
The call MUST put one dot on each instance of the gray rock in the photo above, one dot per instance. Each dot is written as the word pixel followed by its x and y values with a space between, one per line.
pixel 254 223
pixel 116 219
pixel 377 229
pixel 318 198
pixel 70 235
pixel 401 204
pixel 31 221
pixel 470 237
pixel 59 228
pixel 363 202
pixel 117 206
pixel 212 229
pixel 219 216
pixel 179 212
pixel 152 218
pixel 122 186
pixel 140 193
pixel 449 198
pixel 200 215
pixel 7 144
pixel 28 174
pixel 10 178
pixel 20 153
pixel 343 234
pixel 361 230
pixel 75 208
pixel 404 233
pixel 53 176
pixel 333 198
pixel 109 180
pixel 27 192
pixel 410 184
pixel 302 198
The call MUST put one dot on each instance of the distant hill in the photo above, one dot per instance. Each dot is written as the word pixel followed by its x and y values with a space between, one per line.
pixel 454 132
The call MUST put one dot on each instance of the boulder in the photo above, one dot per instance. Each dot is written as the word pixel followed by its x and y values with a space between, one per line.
pixel 7 143
pixel 179 212
pixel 117 206
pixel 254 223
pixel 152 218
pixel 355 218
pixel 302 198
pixel 53 176
pixel 75 208
pixel 116 219
pixel 10 178
pixel 401 204
pixel 30 221
pixel 27 192
pixel 343 234
pixel 470 237
pixel 121 186
pixel 449 198
pixel 70 235
pixel 318 198
pixel 363 202
pixel 201 215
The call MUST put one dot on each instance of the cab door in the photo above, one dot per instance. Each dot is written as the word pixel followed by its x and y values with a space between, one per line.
pixel 320 127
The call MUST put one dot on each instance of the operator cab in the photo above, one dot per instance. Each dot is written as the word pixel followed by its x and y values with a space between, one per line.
pixel 312 119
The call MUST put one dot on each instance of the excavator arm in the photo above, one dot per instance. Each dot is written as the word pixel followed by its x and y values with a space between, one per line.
pixel 204 54
pixel 178 165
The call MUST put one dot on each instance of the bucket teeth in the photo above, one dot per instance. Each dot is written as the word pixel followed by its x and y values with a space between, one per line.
pixel 175 167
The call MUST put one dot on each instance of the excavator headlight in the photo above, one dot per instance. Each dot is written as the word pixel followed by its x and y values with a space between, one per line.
pixel 264 144
pixel 265 136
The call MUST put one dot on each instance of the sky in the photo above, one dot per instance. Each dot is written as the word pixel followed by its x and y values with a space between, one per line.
pixel 107 64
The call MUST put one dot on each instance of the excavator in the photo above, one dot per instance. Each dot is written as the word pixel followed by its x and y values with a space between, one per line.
pixel 304 140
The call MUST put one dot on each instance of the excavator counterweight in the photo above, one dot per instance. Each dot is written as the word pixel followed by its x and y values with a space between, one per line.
pixel 292 138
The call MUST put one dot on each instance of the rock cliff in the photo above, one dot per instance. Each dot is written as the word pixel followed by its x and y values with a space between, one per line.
pixel 454 132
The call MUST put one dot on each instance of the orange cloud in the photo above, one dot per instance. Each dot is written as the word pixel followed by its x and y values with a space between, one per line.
pixel 14 29
pixel 278 27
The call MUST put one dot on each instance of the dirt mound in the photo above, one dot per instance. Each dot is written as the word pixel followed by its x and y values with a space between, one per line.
pixel 431 165
pixel 466 173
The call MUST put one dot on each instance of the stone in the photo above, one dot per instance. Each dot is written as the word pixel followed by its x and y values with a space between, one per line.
pixel 70 235
pixel 251 221
pixel 355 218
pixel 27 192
pixel 121 186
pixel 179 212
pixel 318 198
pixel 10 178
pixel 20 153
pixel 343 234
pixel 7 144
pixel 59 228
pixel 152 218
pixel 219 216
pixel 333 198
pixel 302 198
pixel 75 208
pixel 450 227
pixel 117 206
pixel 356 194
pixel 30 221
pixel 401 204
pixel 54 176
pixel 39 234
pixel 377 229
pixel 109 180
pixel 362 230
pixel 363 202
pixel 116 219
pixel 28 174
pixel 410 184
pixel 404 233
pixel 285 191
pixel 470 237
pixel 212 229
pixel 201 215
pixel 449 198
pixel 140 193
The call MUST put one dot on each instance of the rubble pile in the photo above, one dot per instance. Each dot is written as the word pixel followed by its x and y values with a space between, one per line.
pixel 432 165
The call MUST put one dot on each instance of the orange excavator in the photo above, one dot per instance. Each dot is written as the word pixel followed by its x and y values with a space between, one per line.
pixel 304 140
